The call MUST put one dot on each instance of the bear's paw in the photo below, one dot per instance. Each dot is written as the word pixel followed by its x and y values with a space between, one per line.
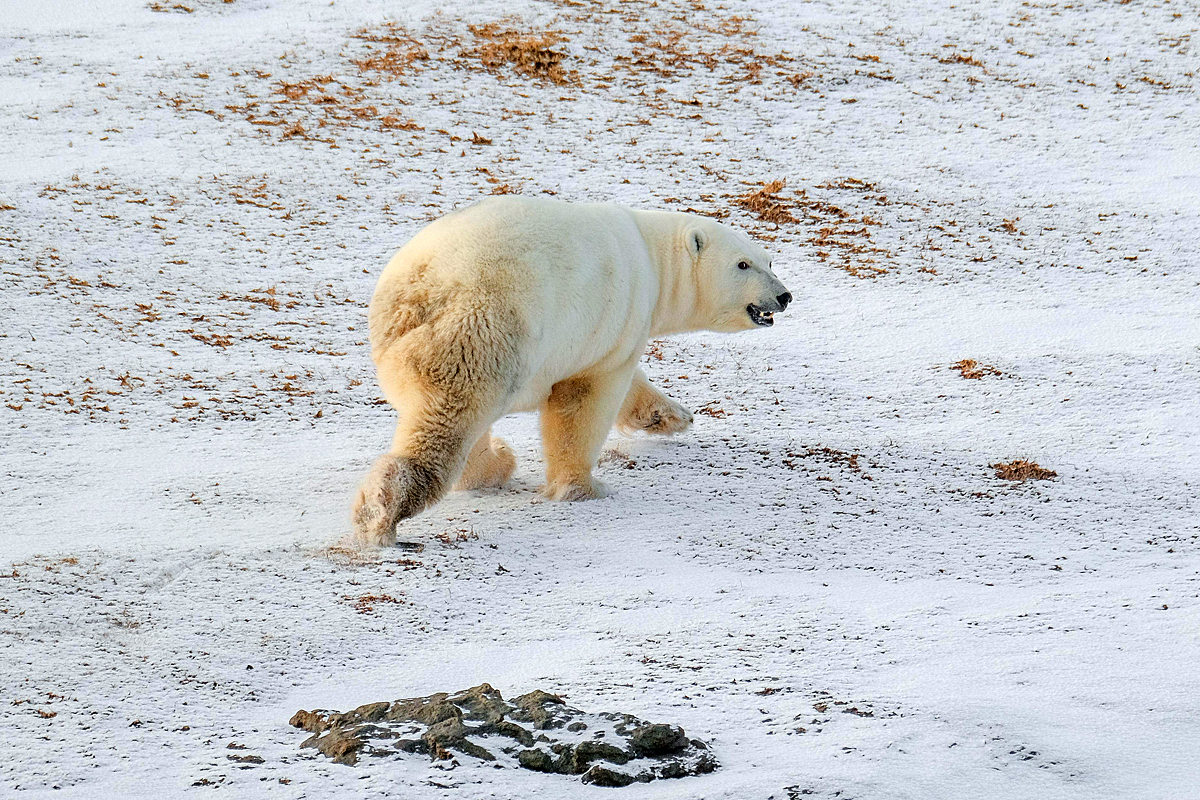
pixel 572 491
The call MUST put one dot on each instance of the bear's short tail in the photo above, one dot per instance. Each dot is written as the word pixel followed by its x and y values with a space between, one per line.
pixel 397 487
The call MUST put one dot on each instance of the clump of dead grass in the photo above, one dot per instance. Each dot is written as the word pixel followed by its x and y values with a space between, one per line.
pixel 828 456
pixel 837 231
pixel 531 55
pixel 972 370
pixel 365 604
pixel 767 204
pixel 1021 470
pixel 961 58
pixel 458 537
pixel 399 55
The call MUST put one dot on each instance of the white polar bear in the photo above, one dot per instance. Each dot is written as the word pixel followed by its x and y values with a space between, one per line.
pixel 518 304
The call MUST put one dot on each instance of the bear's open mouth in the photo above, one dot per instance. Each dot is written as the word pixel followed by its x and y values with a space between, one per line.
pixel 760 317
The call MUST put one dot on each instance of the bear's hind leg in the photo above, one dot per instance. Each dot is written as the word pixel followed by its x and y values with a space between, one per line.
pixel 435 433
pixel 647 409
pixel 576 418
pixel 396 487
pixel 490 464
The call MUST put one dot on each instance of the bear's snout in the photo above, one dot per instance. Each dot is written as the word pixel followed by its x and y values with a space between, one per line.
pixel 783 300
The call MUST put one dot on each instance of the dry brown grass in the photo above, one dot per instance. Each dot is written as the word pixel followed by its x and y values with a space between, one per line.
pixel 961 58
pixel 840 235
pixel 767 204
pixel 399 55
pixel 393 123
pixel 972 370
pixel 713 409
pixel 365 604
pixel 458 537
pixel 532 55
pixel 828 456
pixel 1021 470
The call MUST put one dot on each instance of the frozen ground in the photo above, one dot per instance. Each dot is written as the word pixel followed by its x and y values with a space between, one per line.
pixel 187 402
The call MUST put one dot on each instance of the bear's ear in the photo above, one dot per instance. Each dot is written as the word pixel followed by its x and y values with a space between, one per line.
pixel 696 241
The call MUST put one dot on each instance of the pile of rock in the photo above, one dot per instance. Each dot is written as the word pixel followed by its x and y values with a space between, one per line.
pixel 537 731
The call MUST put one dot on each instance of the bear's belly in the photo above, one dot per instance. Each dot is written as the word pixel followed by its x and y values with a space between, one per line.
pixel 558 357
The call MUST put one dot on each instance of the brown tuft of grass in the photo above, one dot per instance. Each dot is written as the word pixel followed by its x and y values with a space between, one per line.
pixel 393 123
pixel 459 537
pixel 961 58
pixel 713 409
pixel 971 369
pixel 365 604
pixel 400 53
pixel 295 130
pixel 827 455
pixel 531 55
pixel 1021 470
pixel 839 234
pixel 767 204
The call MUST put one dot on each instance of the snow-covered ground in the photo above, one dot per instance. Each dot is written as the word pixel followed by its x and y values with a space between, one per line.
pixel 823 578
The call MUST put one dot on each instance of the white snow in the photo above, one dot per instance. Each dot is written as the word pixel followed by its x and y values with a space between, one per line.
pixel 183 290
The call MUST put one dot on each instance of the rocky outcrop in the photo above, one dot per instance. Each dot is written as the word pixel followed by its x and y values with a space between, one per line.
pixel 537 731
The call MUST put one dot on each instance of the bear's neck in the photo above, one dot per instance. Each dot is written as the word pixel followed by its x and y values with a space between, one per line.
pixel 675 309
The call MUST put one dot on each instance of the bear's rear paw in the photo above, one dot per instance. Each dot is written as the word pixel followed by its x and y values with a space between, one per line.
pixel 373 510
pixel 575 490
pixel 662 419
pixel 373 526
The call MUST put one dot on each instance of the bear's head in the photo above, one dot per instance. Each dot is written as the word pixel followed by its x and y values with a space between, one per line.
pixel 736 289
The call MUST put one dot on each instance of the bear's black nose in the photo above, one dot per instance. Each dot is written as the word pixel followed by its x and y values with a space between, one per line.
pixel 784 299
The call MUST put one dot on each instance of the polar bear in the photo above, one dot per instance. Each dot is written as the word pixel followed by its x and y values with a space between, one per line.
pixel 521 304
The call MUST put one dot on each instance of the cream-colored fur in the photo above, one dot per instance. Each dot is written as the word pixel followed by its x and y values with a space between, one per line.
pixel 647 409
pixel 519 304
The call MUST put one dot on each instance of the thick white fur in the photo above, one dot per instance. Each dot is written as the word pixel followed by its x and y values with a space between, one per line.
pixel 518 304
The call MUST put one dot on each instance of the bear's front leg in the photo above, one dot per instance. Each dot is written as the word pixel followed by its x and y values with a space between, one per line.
pixel 647 409
pixel 576 418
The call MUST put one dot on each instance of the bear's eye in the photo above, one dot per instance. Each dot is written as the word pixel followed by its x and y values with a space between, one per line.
pixel 743 265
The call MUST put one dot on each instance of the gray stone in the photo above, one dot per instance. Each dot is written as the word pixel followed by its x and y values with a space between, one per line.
pixel 442 725
pixel 602 776
pixel 371 712
pixel 445 733
pixel 341 746
pixel 658 739
pixel 536 760
pixel 539 708
pixel 576 760
pixel 482 703
pixel 311 721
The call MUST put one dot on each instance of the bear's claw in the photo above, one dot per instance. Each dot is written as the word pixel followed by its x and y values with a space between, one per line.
pixel 667 420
